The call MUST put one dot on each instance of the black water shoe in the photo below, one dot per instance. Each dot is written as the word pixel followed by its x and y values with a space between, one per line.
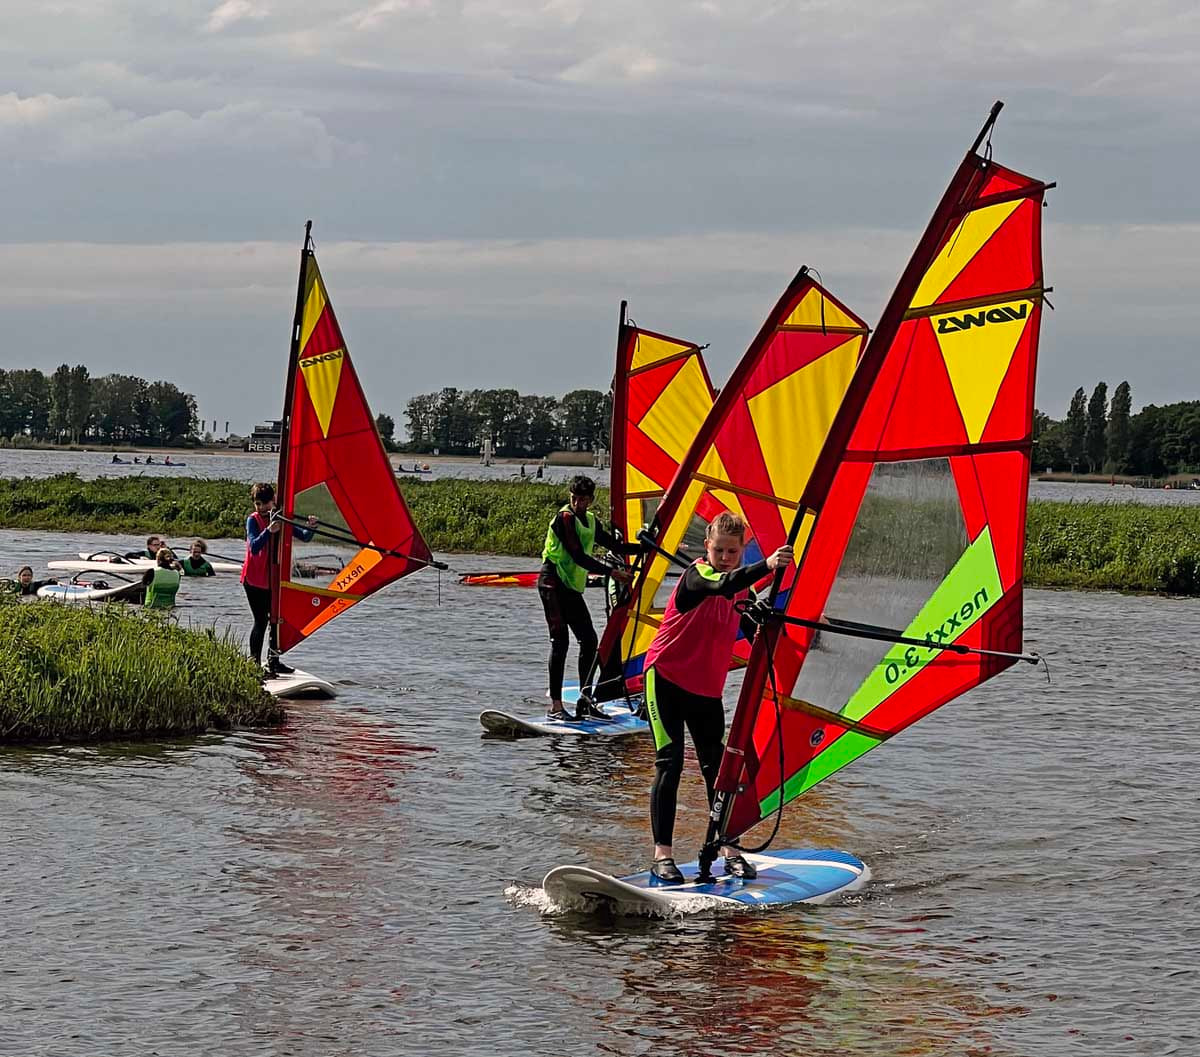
pixel 737 866
pixel 586 708
pixel 666 871
pixel 276 667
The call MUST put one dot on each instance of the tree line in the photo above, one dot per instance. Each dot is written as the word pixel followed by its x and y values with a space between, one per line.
pixel 71 406
pixel 1103 436
pixel 459 422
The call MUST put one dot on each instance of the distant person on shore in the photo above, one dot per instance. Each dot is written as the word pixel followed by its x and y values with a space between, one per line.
pixel 256 570
pixel 567 559
pixel 538 475
pixel 162 582
pixel 195 564
pixel 153 545
pixel 522 471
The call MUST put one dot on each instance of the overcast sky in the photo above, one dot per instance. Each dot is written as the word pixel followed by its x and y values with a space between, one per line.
pixel 488 178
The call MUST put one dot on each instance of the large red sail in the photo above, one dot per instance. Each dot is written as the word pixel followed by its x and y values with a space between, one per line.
pixel 332 465
pixel 752 457
pixel 914 515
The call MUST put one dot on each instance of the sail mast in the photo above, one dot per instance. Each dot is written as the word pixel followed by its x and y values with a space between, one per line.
pixel 616 433
pixel 284 429
pixel 972 168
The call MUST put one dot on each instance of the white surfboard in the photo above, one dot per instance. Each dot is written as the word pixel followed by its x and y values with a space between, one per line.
pixel 299 684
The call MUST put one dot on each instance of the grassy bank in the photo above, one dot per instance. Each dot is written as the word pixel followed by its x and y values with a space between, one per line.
pixel 1121 546
pixel 78 673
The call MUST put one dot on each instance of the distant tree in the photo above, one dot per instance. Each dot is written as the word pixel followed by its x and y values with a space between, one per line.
pixel 1117 441
pixel 1050 447
pixel 1077 430
pixel 386 426
pixel 170 413
pixel 1097 426
pixel 498 412
pixel 60 402
pixel 582 419
pixel 421 414
pixel 79 410
pixel 118 409
pixel 541 417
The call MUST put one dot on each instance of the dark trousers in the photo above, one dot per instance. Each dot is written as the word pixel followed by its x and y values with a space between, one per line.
pixel 672 708
pixel 566 611
pixel 260 605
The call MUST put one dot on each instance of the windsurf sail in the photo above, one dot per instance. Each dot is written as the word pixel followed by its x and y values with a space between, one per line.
pixel 913 517
pixel 332 465
pixel 661 397
pixel 752 456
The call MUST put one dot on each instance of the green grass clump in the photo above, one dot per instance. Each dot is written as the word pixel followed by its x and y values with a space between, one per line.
pixel 83 673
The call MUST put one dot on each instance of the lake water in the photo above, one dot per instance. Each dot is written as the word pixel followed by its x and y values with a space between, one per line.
pixel 250 468
pixel 16 462
pixel 365 880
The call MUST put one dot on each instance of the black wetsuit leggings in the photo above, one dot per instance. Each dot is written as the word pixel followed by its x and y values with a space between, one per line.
pixel 566 610
pixel 671 708
pixel 260 605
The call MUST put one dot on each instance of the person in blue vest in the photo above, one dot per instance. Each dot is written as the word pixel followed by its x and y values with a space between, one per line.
pixel 566 562
pixel 162 582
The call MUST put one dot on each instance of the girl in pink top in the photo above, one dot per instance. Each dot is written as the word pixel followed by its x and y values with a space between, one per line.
pixel 686 667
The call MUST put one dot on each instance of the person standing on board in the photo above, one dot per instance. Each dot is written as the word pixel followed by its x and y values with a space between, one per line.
pixel 566 561
pixel 256 569
pixel 162 582
pixel 195 564
pixel 686 667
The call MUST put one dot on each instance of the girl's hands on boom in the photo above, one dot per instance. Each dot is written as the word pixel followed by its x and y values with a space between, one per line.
pixel 783 556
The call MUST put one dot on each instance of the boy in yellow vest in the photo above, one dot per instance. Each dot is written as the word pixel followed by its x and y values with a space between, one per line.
pixel 566 562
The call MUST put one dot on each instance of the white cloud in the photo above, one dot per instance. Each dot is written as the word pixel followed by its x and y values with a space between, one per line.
pixel 85 129
pixel 231 12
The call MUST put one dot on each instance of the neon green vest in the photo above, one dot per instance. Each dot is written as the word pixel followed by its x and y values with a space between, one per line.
pixel 161 591
pixel 572 575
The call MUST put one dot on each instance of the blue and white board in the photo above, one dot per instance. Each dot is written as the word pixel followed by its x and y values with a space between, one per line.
pixel 805 875
pixel 619 720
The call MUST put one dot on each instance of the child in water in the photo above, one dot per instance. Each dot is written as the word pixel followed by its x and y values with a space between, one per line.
pixel 195 564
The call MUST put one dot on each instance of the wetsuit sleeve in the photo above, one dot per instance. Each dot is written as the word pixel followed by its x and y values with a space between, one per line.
pixel 702 581
pixel 304 534
pixel 257 540
pixel 147 576
pixel 608 540
pixel 563 527
pixel 208 569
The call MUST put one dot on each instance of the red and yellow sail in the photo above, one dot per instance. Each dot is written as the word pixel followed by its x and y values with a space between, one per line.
pixel 914 515
pixel 332 465
pixel 661 396
pixel 752 456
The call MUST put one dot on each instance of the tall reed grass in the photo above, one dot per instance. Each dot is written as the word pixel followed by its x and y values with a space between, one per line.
pixel 84 673
pixel 1084 545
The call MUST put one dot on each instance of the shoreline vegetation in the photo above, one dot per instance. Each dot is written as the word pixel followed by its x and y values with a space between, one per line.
pixel 1095 546
pixel 87 674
